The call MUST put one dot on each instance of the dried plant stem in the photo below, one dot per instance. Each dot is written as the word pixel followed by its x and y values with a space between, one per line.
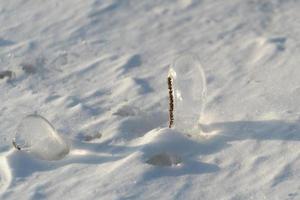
pixel 171 101
pixel 15 145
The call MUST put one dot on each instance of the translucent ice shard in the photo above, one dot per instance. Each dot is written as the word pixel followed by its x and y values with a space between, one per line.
pixel 189 90
pixel 38 137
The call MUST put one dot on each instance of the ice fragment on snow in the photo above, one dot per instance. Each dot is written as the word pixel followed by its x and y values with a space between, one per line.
pixel 38 137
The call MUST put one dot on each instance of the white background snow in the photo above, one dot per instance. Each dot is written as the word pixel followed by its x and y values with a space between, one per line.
pixel 96 69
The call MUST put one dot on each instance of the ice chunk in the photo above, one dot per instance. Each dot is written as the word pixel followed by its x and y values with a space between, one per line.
pixel 37 136
pixel 189 90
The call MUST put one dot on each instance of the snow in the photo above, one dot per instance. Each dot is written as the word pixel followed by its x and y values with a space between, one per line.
pixel 97 70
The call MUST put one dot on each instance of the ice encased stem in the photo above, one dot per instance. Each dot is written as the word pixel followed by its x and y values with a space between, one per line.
pixel 189 86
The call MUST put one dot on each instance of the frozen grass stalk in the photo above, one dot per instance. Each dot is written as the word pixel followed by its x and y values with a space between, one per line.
pixel 171 101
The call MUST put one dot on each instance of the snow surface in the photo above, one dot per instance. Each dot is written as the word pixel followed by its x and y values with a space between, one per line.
pixel 97 71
